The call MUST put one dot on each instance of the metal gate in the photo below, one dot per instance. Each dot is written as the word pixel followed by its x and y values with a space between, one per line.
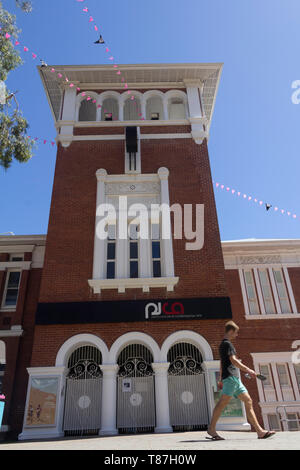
pixel 187 392
pixel 136 400
pixel 82 414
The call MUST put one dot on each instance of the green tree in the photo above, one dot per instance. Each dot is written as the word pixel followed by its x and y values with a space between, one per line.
pixel 26 6
pixel 14 143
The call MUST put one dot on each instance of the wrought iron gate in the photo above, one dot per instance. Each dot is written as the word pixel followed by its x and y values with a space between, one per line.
pixel 136 400
pixel 187 392
pixel 82 414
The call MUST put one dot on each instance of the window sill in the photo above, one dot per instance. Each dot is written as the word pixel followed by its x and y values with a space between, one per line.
pixel 8 309
pixel 275 316
pixel 133 283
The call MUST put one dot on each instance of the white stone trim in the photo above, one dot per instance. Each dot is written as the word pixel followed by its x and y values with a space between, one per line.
pixel 15 331
pixel 21 265
pixel 109 400
pixel 274 316
pixel 161 388
pixel 139 122
pixel 83 138
pixel 134 337
pixel 192 337
pixel 75 342
pixel 16 248
pixel 144 283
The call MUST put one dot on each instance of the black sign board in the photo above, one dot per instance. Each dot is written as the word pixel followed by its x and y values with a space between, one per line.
pixel 133 310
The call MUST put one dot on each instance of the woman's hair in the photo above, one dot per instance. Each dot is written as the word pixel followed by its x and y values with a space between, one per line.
pixel 230 325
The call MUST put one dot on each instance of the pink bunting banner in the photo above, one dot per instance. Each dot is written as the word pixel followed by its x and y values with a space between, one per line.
pixel 267 205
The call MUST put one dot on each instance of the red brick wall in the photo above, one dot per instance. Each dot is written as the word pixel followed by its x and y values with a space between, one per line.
pixel 70 240
pixel 48 339
pixel 18 396
pixel 19 349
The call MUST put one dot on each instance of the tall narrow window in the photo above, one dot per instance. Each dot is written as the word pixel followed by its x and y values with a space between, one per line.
pixel 282 291
pixel 264 370
pixel 111 252
pixel 87 111
pixel 297 372
pixel 293 421
pixel 156 250
pixel 251 293
pixel 266 291
pixel 283 375
pixel 12 288
pixel 133 251
pixel 274 423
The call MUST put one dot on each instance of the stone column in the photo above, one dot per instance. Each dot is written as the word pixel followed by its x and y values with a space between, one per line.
pixel 109 400
pixel 162 397
pixel 193 88
pixel 68 115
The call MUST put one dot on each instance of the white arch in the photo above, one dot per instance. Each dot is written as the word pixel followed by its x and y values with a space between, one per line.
pixel 106 95
pixel 125 95
pixel 176 94
pixel 2 353
pixel 80 98
pixel 153 93
pixel 190 337
pixel 76 342
pixel 109 94
pixel 156 94
pixel 134 337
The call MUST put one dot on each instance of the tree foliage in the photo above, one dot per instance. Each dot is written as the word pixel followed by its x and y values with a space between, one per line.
pixel 25 6
pixel 14 143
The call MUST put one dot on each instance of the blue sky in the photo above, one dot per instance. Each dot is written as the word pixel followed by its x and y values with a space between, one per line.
pixel 255 135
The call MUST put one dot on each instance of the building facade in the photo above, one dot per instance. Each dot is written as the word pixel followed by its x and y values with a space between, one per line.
pixel 121 332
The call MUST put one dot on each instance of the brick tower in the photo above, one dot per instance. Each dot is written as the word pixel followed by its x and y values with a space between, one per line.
pixel 135 320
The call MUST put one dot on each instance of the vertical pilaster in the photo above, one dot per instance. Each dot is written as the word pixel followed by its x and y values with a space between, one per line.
pixel 193 89
pixel 162 397
pixel 109 400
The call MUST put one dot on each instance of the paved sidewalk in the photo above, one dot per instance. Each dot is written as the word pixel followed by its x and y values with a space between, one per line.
pixel 188 441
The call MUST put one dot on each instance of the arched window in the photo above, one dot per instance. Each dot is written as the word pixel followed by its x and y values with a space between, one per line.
pixel 154 108
pixel 132 108
pixel 110 110
pixel 176 108
pixel 87 110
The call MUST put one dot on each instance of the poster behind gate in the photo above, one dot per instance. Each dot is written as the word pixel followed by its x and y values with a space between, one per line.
pixel 42 402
